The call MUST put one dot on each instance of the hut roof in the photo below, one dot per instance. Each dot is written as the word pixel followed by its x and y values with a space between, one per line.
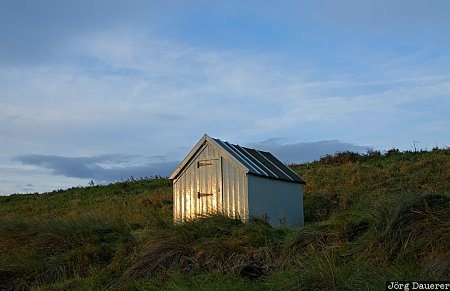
pixel 253 161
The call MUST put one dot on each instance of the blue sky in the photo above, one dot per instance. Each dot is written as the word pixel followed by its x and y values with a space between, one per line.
pixel 104 90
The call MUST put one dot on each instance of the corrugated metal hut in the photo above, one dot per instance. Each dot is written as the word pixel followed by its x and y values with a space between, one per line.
pixel 217 176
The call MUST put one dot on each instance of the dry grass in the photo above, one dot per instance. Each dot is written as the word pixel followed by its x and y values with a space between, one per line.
pixel 369 218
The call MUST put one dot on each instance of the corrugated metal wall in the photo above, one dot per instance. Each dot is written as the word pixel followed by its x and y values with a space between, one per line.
pixel 235 198
pixel 281 202
pixel 221 184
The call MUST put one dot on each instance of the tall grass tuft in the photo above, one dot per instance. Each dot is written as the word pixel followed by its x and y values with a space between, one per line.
pixel 49 251
pixel 419 230
pixel 215 243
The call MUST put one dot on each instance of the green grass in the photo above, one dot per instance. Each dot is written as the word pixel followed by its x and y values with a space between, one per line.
pixel 369 218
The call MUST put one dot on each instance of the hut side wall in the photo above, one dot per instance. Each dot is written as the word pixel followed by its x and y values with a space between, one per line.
pixel 235 194
pixel 201 175
pixel 280 202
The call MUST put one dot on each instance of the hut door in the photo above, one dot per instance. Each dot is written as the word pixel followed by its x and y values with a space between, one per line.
pixel 209 190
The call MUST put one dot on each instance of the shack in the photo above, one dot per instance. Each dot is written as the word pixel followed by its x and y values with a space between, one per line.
pixel 217 176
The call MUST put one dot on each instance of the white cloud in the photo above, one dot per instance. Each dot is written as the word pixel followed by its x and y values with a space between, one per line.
pixel 193 90
pixel 134 92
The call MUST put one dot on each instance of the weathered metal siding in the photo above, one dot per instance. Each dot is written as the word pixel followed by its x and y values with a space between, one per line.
pixel 279 201
pixel 235 197
pixel 198 189
pixel 241 182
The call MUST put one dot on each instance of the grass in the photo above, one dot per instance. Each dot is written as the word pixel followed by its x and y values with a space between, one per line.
pixel 369 218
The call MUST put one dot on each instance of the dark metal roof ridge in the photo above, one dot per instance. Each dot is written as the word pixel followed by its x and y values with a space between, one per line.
pixel 256 166
pixel 255 161
pixel 278 179
pixel 280 169
pixel 239 157
pixel 290 172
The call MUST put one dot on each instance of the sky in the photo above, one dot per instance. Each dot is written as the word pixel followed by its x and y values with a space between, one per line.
pixel 104 90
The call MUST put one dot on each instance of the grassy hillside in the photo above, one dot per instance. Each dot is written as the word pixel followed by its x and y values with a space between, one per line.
pixel 369 218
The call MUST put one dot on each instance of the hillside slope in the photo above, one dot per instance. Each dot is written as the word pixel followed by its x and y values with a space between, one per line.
pixel 369 218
